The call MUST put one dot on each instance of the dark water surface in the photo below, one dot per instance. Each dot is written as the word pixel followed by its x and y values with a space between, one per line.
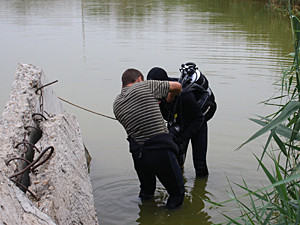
pixel 239 45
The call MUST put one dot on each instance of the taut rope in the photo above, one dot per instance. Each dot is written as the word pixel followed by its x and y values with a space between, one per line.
pixel 99 114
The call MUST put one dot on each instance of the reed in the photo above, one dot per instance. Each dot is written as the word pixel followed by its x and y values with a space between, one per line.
pixel 279 202
pixel 282 5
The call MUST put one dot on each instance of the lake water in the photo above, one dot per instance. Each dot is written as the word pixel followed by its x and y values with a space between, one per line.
pixel 87 44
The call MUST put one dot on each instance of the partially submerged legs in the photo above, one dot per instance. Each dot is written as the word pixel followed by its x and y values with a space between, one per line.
pixel 163 165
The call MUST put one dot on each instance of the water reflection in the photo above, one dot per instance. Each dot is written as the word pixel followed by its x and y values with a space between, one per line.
pixel 192 212
pixel 231 17
pixel 235 15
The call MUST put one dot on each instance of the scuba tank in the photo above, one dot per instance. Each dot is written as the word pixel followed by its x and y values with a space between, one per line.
pixel 189 75
pixel 192 80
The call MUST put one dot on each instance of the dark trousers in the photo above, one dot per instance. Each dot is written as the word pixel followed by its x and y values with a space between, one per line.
pixel 163 165
pixel 199 144
pixel 199 149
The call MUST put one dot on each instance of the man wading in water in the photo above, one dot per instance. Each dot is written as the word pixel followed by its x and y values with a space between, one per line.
pixel 152 147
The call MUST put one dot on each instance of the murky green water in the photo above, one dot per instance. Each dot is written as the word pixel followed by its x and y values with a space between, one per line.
pixel 238 44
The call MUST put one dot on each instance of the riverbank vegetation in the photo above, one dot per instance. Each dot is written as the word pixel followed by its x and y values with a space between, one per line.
pixel 279 202
pixel 283 5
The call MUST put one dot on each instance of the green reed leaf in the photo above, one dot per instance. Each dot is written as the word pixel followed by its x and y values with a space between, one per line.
pixel 284 115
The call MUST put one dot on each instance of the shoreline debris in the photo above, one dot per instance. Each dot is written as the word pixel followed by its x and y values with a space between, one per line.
pixel 43 166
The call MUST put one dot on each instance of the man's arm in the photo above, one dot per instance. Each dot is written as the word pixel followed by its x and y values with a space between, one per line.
pixel 174 90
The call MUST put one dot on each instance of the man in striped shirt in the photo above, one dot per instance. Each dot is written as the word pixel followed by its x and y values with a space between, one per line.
pixel 152 147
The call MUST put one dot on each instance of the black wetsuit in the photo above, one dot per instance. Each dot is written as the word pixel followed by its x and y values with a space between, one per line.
pixel 194 107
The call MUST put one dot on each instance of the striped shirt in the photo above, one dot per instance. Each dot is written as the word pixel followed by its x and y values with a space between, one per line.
pixel 137 109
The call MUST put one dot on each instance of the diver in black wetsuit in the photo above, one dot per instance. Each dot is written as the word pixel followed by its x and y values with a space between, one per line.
pixel 187 117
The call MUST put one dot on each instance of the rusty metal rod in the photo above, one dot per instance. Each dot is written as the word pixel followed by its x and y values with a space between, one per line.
pixel 45 86
pixel 21 158
pixel 25 143
pixel 38 114
pixel 19 184
pixel 35 161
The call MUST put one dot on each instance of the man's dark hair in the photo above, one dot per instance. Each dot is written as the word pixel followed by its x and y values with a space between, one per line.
pixel 130 76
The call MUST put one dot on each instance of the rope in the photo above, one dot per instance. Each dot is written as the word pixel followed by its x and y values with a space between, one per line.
pixel 99 114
